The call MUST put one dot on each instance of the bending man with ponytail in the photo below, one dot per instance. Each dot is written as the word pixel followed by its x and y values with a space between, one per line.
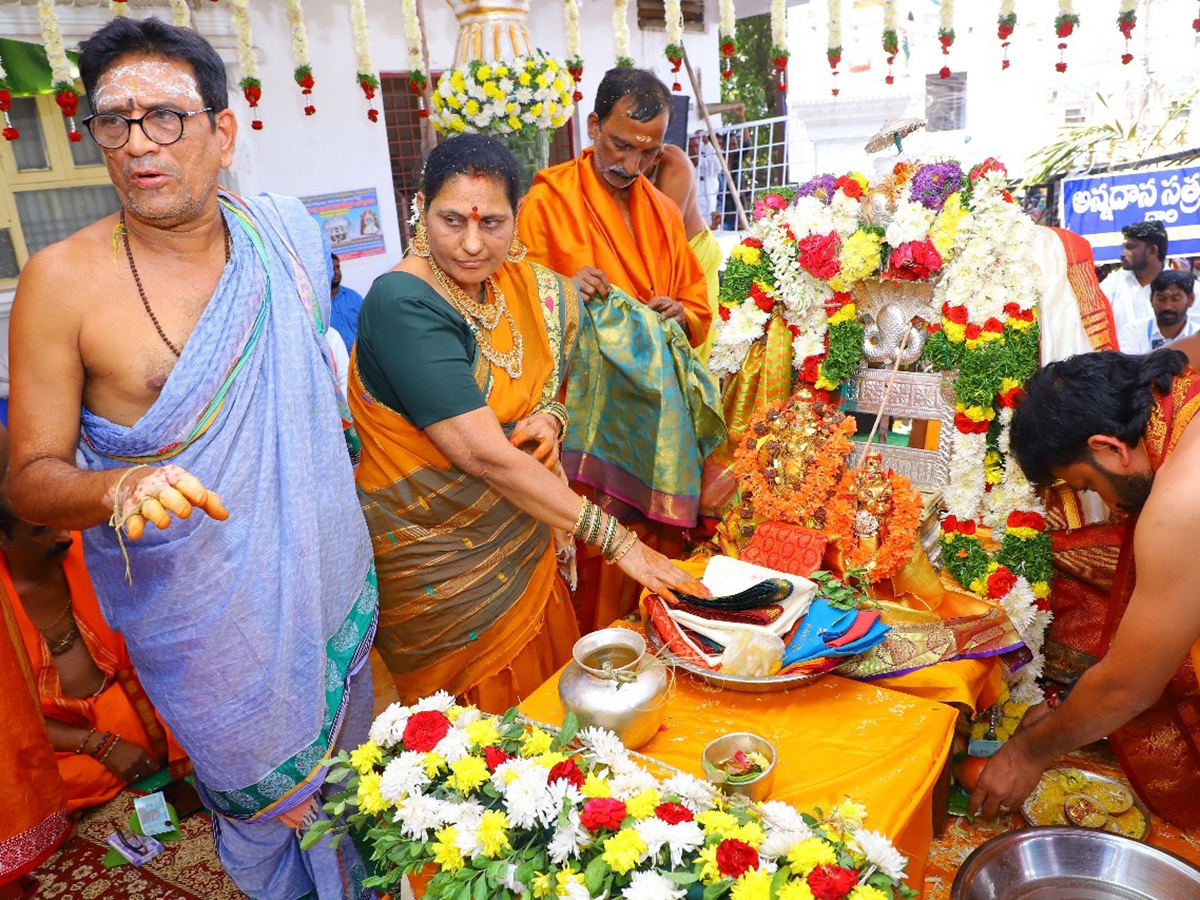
pixel 1121 426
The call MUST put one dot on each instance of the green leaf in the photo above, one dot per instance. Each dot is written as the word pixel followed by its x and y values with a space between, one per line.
pixel 336 839
pixel 480 891
pixel 593 876
pixel 717 890
pixel 682 878
pixel 314 834
pixel 509 717
pixel 338 773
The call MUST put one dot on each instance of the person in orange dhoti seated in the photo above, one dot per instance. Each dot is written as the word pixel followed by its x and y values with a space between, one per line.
pixel 599 218
pixel 104 731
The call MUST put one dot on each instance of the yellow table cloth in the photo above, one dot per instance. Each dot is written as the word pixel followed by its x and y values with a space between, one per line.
pixel 835 738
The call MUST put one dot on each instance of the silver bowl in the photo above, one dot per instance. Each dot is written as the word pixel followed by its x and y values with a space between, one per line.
pixel 724 747
pixel 1066 863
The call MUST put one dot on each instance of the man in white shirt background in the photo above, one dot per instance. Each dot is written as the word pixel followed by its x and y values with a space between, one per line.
pixel 1142 256
pixel 1171 296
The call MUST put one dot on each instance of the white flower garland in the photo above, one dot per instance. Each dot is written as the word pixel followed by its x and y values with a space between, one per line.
pixel 362 38
pixel 181 14
pixel 239 13
pixel 946 15
pixel 673 9
pixel 414 36
pixel 119 7
pixel 52 43
pixel 1066 7
pixel 835 25
pixel 1006 8
pixel 889 15
pixel 620 25
pixel 728 22
pixel 779 23
pixel 295 14
pixel 571 22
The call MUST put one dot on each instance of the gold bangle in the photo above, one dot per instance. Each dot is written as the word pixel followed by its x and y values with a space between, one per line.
pixel 583 521
pixel 610 535
pixel 625 547
pixel 595 526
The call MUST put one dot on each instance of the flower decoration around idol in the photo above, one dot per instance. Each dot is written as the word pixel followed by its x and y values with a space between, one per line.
pixel 503 807
pixel 891 38
pixel 530 93
pixel 803 259
pixel 62 83
pixel 1006 24
pixel 1065 24
pixel 833 49
pixel 1126 21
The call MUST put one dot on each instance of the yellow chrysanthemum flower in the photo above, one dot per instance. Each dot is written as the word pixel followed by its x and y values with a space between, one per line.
pixel 1041 589
pixel 865 891
pixel 595 786
pixel 445 850
pixel 493 834
pixel 550 759
pixel 370 800
pixel 751 833
pixel 457 123
pixel 472 107
pixel 525 79
pixel 710 872
pixel 713 821
pixel 795 890
pixel 543 885
pixel 458 82
pixel 363 758
pixel 551 65
pixel 535 110
pixel 434 763
pixel 510 108
pixel 454 101
pixel 454 712
pixel 483 733
pixel 751 256
pixel 542 81
pixel 1023 533
pixel 536 742
pixel 468 773
pixel 810 853
pixel 624 850
pixel 945 227
pixel 642 805
pixel 955 333
pixel 563 879
pixel 859 259
pixel 753 885
pixel 514 123
pixel 847 313
pixel 483 73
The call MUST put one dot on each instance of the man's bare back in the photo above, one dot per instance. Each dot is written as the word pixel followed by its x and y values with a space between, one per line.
pixel 675 176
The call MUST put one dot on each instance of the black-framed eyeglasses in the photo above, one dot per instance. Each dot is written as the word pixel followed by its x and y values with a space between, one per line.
pixel 163 126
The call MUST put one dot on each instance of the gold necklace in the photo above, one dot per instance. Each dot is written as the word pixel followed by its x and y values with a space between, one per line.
pixel 477 317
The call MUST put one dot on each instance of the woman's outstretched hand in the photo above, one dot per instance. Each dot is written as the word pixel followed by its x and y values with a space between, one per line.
pixel 653 570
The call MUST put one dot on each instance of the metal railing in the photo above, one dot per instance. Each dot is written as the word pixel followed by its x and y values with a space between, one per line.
pixel 757 153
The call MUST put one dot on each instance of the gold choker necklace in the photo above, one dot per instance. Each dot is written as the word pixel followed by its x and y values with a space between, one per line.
pixel 481 318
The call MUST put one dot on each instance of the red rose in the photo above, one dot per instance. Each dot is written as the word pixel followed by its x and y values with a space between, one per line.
pixel 760 298
pixel 5 100
pixel 810 371
pixel 1005 64
pixel 307 81
pixel 1065 29
pixel 944 72
pixel 967 425
pixel 1014 519
pixel 1000 582
pixel 1126 58
pixel 1042 603
pixel 946 39
pixel 914 261
pixel 68 101
pixel 1060 67
pixel 256 125
pixel 373 115
pixel 495 757
pixel 950 524
pixel 967 526
pixel 723 311
pixel 1004 32
pixel 794 330
pixel 1195 24
pixel 566 771
pixel 74 137
pixel 752 242
pixel 1009 398
pixel 673 813
pixel 368 89
pixel 834 59
pixel 888 79
pixel 851 188
pixel 735 858
pixel 956 314
pixel 602 812
pixel 424 730
pixel 1034 520
pixel 994 325
pixel 310 110
pixel 974 330
pixel 831 882
pixel 10 133
pixel 818 255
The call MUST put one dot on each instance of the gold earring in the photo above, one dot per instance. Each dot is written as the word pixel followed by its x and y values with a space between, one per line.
pixel 516 249
pixel 420 240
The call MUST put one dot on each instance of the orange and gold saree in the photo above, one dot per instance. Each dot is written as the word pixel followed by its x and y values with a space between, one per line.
pixel 470 597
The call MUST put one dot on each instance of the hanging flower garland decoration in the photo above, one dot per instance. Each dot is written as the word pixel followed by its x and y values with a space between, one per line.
pixel 9 133
pixel 574 56
pixel 1196 24
pixel 120 7
pixel 60 72
pixel 1126 21
pixel 726 31
pixel 801 261
pixel 366 78
pixel 946 32
pixel 833 51
pixel 673 9
pixel 500 806
pixel 891 38
pixel 181 14
pixel 250 84
pixel 1006 24
pixel 620 25
pixel 418 78
pixel 530 93
pixel 1065 24
pixel 779 48
pixel 303 71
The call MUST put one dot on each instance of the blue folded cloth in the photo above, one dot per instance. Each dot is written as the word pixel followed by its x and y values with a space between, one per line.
pixel 823 624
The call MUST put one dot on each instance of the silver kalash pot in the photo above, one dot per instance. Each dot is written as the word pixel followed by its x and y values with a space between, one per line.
pixel 613 683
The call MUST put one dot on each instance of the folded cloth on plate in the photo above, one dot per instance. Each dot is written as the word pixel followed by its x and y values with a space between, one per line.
pixel 825 631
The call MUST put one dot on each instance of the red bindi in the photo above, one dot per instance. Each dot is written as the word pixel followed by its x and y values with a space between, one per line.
pixel 475 213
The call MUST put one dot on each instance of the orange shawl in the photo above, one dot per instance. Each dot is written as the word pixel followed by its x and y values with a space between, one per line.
pixel 569 220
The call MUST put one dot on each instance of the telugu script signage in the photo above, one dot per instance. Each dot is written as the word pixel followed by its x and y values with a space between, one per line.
pixel 351 221
pixel 1099 206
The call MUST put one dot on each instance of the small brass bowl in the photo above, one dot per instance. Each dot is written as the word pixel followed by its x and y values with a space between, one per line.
pixel 723 748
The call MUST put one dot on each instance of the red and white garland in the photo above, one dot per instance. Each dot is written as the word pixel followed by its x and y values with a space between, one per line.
pixel 10 132
pixel 833 50
pixel 1006 23
pixel 120 7
pixel 1126 21
pixel 181 14
pixel 574 45
pixel 946 33
pixel 726 32
pixel 60 72
pixel 418 78
pixel 303 72
pixel 250 84
pixel 673 10
pixel 891 38
pixel 366 77
pixel 1065 24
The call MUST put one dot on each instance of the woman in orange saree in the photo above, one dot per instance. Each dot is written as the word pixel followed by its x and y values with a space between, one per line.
pixel 454 383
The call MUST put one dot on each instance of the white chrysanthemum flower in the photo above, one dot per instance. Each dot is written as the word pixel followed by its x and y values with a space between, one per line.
pixel 403 775
pixel 680 838
pixel 602 746
pixel 808 215
pixel 573 890
pixel 524 95
pixel 880 853
pixel 698 796
pixel 440 702
pixel 630 781
pixel 419 814
pixel 509 880
pixel 388 727
pixel 652 886
pixel 846 213
pixel 910 222
pixel 454 746
pixel 569 839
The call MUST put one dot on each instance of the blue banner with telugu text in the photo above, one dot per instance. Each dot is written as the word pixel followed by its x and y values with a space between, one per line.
pixel 1099 206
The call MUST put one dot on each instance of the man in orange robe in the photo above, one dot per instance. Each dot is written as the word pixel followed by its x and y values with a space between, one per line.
pixel 103 729
pixel 600 219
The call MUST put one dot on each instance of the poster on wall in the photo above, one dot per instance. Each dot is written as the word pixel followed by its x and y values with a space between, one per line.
pixel 351 221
